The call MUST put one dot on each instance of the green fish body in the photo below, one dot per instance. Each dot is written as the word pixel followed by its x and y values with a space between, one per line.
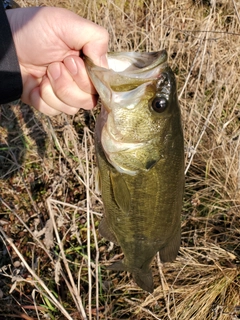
pixel 140 155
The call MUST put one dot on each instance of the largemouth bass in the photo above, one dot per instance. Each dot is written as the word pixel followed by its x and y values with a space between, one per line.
pixel 140 155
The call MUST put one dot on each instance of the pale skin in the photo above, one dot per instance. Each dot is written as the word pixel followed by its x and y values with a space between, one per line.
pixel 48 41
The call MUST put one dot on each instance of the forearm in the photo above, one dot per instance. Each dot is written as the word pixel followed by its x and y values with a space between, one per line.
pixel 10 74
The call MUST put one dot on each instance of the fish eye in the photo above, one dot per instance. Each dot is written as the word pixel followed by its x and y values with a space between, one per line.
pixel 159 104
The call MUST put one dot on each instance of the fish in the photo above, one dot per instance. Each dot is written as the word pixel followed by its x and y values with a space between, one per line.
pixel 140 157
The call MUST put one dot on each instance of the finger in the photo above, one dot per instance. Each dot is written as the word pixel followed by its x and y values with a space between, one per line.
pixel 31 96
pixel 96 48
pixel 76 68
pixel 37 102
pixel 29 84
pixel 66 89
pixel 97 60
pixel 64 95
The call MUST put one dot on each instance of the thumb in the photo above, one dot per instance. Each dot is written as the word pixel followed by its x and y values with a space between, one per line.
pixel 96 44
pixel 81 34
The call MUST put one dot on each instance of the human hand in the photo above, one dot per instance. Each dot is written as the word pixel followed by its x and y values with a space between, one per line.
pixel 48 41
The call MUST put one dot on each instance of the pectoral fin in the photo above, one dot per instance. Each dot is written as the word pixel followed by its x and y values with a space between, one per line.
pixel 106 232
pixel 120 191
pixel 170 251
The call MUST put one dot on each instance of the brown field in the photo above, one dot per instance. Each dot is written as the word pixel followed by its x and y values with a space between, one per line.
pixel 52 259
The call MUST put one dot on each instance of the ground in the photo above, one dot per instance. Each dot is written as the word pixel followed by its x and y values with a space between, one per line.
pixel 52 258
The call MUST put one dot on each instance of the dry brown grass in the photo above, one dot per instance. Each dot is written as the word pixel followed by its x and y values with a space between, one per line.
pixel 52 258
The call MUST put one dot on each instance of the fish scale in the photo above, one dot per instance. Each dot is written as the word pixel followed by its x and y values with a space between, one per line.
pixel 141 175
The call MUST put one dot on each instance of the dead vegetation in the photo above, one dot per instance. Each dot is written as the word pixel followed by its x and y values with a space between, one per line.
pixel 51 255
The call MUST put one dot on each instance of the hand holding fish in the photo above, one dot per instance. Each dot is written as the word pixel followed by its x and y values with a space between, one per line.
pixel 48 42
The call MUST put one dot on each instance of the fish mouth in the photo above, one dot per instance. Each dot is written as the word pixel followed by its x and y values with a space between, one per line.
pixel 127 70
pixel 135 63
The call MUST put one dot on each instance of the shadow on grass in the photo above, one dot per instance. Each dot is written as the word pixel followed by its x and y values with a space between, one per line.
pixel 16 123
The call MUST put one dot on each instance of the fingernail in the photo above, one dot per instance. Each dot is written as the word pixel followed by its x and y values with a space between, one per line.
pixel 55 70
pixel 104 61
pixel 71 66
pixel 100 61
